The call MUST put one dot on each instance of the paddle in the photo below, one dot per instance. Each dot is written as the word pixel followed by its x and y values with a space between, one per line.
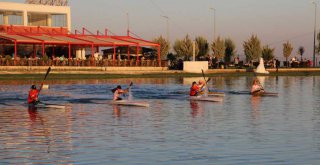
pixel 128 89
pixel 130 86
pixel 204 77
pixel 45 77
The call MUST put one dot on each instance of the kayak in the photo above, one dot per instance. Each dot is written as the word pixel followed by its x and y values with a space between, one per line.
pixel 218 94
pixel 258 94
pixel 45 105
pixel 130 103
pixel 202 98
pixel 267 94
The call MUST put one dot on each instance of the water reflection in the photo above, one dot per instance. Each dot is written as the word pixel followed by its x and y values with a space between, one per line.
pixel 116 111
pixel 255 104
pixel 197 109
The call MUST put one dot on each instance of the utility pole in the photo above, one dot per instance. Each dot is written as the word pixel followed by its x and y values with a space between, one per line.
pixel 214 23
pixel 128 24
pixel 315 32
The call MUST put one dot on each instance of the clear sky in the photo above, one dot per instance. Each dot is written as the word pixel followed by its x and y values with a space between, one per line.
pixel 273 21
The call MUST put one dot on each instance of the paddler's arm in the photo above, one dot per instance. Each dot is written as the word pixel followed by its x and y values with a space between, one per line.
pixel 123 91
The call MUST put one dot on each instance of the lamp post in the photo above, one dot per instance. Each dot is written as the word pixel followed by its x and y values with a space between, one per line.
pixel 167 19
pixel 128 24
pixel 214 22
pixel 315 32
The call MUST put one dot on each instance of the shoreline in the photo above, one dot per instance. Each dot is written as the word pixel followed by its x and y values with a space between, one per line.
pixel 11 73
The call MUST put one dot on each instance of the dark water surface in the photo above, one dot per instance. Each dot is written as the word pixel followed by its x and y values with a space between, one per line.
pixel 173 130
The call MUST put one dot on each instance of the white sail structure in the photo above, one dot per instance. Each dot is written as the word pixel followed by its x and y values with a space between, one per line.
pixel 261 69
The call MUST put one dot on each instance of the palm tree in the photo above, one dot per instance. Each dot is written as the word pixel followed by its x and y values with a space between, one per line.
pixel 301 51
pixel 287 50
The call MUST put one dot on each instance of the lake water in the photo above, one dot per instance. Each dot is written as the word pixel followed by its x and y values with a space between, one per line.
pixel 173 130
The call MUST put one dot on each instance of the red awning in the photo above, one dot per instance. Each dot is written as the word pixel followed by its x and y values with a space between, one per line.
pixel 18 38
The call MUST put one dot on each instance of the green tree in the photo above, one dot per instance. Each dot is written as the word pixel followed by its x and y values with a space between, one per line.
pixel 230 50
pixel 184 48
pixel 164 46
pixel 267 53
pixel 301 51
pixel 252 48
pixel 218 47
pixel 203 47
pixel 287 50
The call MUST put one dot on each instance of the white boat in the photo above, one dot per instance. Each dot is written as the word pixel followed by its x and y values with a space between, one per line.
pixel 45 105
pixel 217 94
pixel 130 103
pixel 209 99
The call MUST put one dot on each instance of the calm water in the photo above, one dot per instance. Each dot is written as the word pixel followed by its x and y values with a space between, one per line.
pixel 173 130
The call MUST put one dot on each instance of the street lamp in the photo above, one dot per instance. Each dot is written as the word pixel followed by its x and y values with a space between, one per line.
pixel 214 22
pixel 128 24
pixel 167 19
pixel 315 33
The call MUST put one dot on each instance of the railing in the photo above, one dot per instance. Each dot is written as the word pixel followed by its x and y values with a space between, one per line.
pixel 83 63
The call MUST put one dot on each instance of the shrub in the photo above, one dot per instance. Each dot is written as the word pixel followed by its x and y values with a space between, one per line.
pixel 8 58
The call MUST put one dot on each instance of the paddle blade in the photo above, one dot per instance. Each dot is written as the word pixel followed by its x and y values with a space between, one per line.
pixel 130 84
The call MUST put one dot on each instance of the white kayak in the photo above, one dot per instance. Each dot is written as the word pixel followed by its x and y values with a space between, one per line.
pixel 218 94
pixel 130 103
pixel 208 99
pixel 45 105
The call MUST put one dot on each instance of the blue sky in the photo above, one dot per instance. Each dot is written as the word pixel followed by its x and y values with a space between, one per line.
pixel 274 21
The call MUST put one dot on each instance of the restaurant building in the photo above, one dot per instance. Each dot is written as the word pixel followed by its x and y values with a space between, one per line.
pixel 35 31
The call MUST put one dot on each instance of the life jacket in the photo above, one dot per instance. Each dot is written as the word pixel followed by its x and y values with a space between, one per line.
pixel 33 95
pixel 194 90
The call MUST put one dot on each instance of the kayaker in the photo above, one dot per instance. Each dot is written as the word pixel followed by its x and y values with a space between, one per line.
pixel 256 88
pixel 117 92
pixel 203 87
pixel 33 95
pixel 195 89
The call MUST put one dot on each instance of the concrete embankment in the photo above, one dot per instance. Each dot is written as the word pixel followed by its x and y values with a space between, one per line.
pixel 80 70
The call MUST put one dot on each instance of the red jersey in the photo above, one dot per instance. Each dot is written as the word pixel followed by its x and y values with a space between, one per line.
pixel 194 90
pixel 33 95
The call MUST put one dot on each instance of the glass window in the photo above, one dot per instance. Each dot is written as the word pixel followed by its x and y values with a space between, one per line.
pixel 59 20
pixel 35 19
pixel 15 20
pixel 1 19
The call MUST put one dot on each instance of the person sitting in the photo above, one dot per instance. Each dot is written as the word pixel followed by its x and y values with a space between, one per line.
pixel 195 89
pixel 117 92
pixel 33 95
pixel 256 88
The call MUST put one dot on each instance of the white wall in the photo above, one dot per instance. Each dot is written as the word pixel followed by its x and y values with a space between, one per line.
pixel 195 66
